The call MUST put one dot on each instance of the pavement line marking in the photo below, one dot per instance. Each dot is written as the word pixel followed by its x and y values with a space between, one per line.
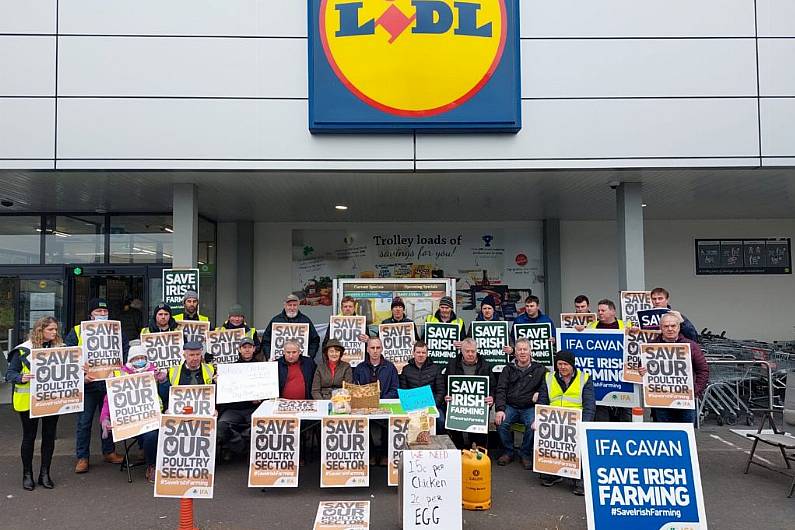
pixel 763 459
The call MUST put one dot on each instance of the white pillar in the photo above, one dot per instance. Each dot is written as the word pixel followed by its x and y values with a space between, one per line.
pixel 629 217
pixel 185 209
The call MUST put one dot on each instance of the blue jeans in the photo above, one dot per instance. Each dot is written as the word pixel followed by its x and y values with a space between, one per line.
pixel 512 415
pixel 95 397
pixel 148 442
pixel 440 421
pixel 675 415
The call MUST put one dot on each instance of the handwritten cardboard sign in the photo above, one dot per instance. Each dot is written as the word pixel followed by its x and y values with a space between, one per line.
pixel 251 381
pixel 431 489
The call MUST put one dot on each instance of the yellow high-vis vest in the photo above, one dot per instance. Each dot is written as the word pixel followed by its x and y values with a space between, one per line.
pixel 572 397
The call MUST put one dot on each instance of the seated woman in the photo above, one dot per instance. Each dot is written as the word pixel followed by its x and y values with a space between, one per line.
pixel 331 372
pixel 137 362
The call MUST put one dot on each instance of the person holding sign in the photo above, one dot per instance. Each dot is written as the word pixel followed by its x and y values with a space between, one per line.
pixel 582 304
pixel 137 363
pixel 670 332
pixel 190 303
pixel 487 313
pixel 468 362
pixel 161 320
pixel 43 335
pixel 517 393
pixel 296 372
pixel 446 315
pixel 421 371
pixel 398 308
pixel 94 397
pixel 331 372
pixel 567 387
pixel 606 317
pixel 236 319
pixel 191 371
pixel 291 314
pixel 659 299
pixel 348 309
pixel 234 419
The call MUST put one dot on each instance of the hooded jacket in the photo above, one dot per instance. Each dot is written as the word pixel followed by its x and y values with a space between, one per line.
pixel 300 318
pixel 386 374
pixel 154 328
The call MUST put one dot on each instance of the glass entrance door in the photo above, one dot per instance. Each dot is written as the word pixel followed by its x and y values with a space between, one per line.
pixel 122 287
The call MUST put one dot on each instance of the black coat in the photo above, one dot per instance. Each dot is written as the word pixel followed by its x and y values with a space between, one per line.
pixel 516 388
pixel 482 367
pixel 429 374
pixel 300 318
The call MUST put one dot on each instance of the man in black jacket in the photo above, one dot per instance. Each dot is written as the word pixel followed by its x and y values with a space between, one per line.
pixel 291 314
pixel 421 371
pixel 515 399
pixel 469 362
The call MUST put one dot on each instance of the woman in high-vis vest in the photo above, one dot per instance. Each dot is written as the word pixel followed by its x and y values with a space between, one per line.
pixel 43 335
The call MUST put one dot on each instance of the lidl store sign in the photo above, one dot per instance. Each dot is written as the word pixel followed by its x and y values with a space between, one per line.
pixel 398 65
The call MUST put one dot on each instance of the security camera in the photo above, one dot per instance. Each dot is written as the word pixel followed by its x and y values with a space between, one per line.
pixel 614 184
pixel 8 203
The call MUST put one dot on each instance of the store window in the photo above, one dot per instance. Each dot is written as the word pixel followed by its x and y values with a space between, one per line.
pixel 141 239
pixel 74 238
pixel 20 240
pixel 206 262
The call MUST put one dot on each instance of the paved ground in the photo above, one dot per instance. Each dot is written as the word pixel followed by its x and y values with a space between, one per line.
pixel 103 498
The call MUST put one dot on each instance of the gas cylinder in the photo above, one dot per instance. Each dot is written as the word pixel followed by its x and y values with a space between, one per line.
pixel 476 478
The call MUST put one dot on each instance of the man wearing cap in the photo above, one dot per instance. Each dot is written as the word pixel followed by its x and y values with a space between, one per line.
pixel 446 315
pixel 161 320
pixel 291 314
pixel 190 302
pixel 234 419
pixel 191 371
pixel 347 309
pixel 399 315
pixel 568 387
pixel 94 397
pixel 237 320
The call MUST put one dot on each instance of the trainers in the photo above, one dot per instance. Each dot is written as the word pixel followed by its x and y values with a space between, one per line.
pixel 504 460
pixel 82 465
pixel 113 458
pixel 551 481
pixel 150 473
pixel 527 463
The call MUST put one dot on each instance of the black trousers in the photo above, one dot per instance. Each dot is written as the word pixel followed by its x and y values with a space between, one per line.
pixel 234 429
pixel 30 427
pixel 605 413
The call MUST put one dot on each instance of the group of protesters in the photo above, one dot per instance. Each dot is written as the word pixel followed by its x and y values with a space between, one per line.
pixel 514 392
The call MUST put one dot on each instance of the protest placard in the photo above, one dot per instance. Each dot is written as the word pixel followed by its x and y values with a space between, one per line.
pixel 419 398
pixel 164 350
pixel 134 405
pixel 630 373
pixel 539 335
pixel 431 482
pixel 600 353
pixel 650 318
pixel 185 457
pixel 176 282
pixel 668 381
pixel 296 406
pixel 222 345
pixel 247 382
pixel 398 441
pixel 631 303
pixel 281 332
pixel 467 410
pixel 342 515
pixel 347 331
pixel 194 330
pixel 345 452
pixel 101 347
pixel 492 337
pixel 641 476
pixel 57 386
pixel 569 320
pixel 398 341
pixel 440 338
pixel 556 448
pixel 199 397
pixel 274 455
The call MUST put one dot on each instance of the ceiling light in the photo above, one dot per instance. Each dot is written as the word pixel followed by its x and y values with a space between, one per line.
pixel 643 205
pixel 168 229
pixel 341 207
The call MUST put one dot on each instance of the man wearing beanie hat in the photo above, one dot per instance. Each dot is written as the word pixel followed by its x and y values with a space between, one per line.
pixel 161 320
pixel 190 301
pixel 569 387
pixel 237 320
pixel 488 313
pixel 446 315
pixel 399 315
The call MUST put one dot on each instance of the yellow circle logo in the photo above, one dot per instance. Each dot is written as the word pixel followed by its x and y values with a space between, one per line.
pixel 413 58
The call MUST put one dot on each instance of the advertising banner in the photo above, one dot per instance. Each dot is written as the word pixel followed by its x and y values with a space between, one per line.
pixel 650 318
pixel 441 338
pixel 252 381
pixel 134 405
pixel 631 303
pixel 281 332
pixel 200 397
pixel 274 457
pixel 194 330
pixel 296 406
pixel 347 331
pixel 345 452
pixel 600 353
pixel 569 320
pixel 641 476
pixel 467 410
pixel 431 489
pixel 176 282
pixel 398 341
pixel 540 337
pixel 102 350
pixel 57 386
pixel 164 350
pixel 398 442
pixel 556 449
pixel 632 360
pixel 185 457
pixel 492 337
pixel 222 345
pixel 668 381
pixel 342 515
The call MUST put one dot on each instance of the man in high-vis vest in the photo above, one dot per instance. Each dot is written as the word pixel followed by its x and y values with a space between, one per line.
pixel 191 371
pixel 347 309
pixel 190 302
pixel 237 320
pixel 94 397
pixel 568 387
pixel 446 315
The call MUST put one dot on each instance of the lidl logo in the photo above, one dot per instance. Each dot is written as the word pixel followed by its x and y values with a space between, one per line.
pixel 395 65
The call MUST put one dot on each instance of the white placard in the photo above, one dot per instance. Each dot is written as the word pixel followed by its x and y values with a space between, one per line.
pixel 432 489
pixel 247 382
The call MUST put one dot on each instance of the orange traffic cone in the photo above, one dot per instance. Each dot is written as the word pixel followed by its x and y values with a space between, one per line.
pixel 186 515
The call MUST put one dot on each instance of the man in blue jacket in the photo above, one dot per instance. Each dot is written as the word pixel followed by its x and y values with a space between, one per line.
pixel 376 368
pixel 532 313
pixel 659 299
